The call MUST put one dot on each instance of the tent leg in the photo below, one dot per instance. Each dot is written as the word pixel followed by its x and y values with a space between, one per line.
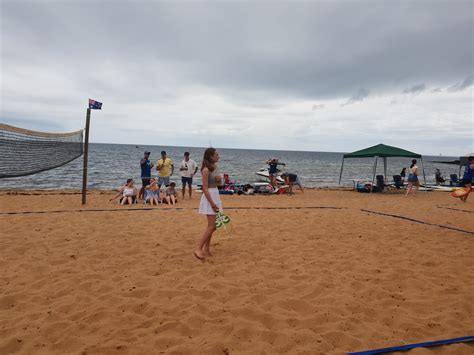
pixel 375 171
pixel 340 175
pixel 385 168
pixel 424 176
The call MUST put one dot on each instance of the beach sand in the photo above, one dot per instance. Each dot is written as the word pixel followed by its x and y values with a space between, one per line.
pixel 299 278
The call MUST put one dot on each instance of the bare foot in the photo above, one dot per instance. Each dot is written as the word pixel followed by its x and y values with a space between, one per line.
pixel 206 253
pixel 198 254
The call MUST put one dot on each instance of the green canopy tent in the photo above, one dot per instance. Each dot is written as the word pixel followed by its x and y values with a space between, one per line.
pixel 381 151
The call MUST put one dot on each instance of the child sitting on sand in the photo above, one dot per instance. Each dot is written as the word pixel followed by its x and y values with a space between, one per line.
pixel 152 192
pixel 171 196
pixel 128 193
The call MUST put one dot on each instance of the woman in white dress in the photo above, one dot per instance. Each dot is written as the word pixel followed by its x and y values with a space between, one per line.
pixel 210 201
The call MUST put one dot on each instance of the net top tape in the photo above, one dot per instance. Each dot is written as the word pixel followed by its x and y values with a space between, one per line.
pixel 5 127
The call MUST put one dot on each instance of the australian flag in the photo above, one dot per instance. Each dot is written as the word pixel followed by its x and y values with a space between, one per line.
pixel 95 105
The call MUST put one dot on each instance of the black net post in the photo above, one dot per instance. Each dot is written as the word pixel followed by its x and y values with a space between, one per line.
pixel 86 154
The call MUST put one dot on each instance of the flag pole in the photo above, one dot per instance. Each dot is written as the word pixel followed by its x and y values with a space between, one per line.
pixel 86 154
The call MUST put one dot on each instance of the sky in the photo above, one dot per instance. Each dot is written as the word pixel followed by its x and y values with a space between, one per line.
pixel 297 75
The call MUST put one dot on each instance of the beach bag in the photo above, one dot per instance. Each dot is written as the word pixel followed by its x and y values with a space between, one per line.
pixel 282 191
pixel 263 189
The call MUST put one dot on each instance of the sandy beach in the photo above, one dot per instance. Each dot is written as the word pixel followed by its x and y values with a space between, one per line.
pixel 313 273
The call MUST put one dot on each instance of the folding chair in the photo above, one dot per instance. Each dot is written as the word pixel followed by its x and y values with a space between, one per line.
pixel 453 180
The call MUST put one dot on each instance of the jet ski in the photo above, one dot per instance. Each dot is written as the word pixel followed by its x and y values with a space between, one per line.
pixel 264 176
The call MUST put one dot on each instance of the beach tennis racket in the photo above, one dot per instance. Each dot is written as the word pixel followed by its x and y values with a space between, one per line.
pixel 223 223
pixel 460 192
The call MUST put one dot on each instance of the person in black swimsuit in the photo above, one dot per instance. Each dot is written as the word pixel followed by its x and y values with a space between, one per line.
pixel 273 171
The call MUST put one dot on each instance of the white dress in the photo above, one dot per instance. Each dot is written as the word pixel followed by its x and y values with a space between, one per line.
pixel 204 206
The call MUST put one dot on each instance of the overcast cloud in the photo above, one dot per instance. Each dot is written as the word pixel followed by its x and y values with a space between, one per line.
pixel 335 76
pixel 415 89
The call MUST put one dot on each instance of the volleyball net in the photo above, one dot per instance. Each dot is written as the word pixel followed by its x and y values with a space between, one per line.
pixel 24 152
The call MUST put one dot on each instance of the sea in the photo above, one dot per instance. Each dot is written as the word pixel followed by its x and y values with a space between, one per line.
pixel 110 165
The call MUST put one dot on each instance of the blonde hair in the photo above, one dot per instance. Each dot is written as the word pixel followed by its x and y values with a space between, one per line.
pixel 207 159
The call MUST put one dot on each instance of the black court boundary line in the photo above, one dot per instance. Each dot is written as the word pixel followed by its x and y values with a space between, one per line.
pixel 167 209
pixel 286 208
pixel 418 221
pixel 455 209
pixel 96 210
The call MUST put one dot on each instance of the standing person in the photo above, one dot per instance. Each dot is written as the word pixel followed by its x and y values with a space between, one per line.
pixel 273 171
pixel 403 174
pixel 413 177
pixel 165 169
pixel 210 200
pixel 188 169
pixel 290 180
pixel 145 165
pixel 467 177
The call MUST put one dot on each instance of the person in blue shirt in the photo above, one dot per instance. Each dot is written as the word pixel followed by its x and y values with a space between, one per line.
pixel 145 165
pixel 467 177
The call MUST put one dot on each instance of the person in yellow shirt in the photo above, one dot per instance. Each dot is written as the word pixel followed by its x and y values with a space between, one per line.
pixel 165 169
